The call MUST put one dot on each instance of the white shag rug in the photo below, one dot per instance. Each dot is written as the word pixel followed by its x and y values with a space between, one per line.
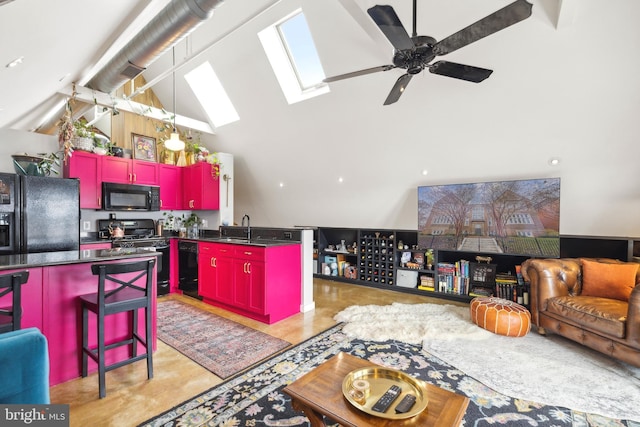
pixel 547 369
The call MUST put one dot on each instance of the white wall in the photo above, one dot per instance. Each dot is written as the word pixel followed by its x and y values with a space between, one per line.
pixel 571 93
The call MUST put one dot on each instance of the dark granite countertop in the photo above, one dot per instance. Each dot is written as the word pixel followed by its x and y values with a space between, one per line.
pixel 44 259
pixel 252 242
pixel 93 240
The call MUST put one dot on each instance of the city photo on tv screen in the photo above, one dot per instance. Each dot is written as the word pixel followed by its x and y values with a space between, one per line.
pixel 511 217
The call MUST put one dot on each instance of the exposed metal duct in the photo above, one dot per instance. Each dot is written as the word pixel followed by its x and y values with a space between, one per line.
pixel 171 25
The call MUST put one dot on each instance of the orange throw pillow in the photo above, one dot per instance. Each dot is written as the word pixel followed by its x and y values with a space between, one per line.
pixel 615 281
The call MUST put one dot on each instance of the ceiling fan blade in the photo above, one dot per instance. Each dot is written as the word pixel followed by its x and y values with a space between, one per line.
pixel 367 24
pixel 359 73
pixel 398 89
pixel 460 71
pixel 499 20
pixel 389 23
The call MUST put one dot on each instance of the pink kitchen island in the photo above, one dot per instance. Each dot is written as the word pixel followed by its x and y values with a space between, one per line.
pixel 50 303
pixel 258 279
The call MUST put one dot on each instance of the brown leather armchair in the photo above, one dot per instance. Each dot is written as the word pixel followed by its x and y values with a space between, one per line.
pixel 609 326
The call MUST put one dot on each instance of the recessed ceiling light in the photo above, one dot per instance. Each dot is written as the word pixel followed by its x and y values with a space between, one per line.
pixel 554 161
pixel 340 179
pixel 425 172
pixel 15 62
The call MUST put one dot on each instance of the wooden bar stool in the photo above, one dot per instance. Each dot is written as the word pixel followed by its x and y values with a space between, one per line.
pixel 127 296
pixel 10 284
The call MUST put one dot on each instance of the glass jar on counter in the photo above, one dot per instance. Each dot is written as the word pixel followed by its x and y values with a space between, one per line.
pixel 193 232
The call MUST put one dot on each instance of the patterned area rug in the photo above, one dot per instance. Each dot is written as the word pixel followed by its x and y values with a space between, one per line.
pixel 255 398
pixel 222 346
pixel 545 369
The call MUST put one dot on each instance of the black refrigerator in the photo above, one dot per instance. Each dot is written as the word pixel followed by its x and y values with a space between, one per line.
pixel 39 214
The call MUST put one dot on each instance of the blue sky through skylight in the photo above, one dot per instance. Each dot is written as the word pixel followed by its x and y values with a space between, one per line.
pixel 304 57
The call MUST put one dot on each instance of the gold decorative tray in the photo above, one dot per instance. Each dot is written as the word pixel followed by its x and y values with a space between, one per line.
pixel 380 379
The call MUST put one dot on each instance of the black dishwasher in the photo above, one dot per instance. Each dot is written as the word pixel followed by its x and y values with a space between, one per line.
pixel 188 268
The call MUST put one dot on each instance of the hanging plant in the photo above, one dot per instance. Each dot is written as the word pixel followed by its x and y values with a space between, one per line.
pixel 66 128
pixel 66 132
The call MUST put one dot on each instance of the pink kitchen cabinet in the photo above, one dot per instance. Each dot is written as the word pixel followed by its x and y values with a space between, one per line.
pixel 215 274
pixel 87 167
pixel 116 169
pixel 127 171
pixel 145 173
pixel 250 276
pixel 170 179
pixel 201 185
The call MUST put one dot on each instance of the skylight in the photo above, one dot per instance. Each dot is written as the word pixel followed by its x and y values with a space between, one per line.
pixel 293 57
pixel 209 91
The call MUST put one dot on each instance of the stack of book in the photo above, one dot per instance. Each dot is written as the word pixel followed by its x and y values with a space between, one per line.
pixel 462 268
pixel 507 287
pixel 451 280
pixel 480 291
pixel 426 283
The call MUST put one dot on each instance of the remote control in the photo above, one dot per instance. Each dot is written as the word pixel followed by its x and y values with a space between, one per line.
pixel 387 399
pixel 405 404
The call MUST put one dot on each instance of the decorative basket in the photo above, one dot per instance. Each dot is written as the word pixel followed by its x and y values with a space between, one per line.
pixel 82 143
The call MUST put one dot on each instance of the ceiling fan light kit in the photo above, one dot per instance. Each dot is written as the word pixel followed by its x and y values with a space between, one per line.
pixel 415 53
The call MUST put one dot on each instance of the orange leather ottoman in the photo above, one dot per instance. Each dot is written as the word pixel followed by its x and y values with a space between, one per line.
pixel 500 316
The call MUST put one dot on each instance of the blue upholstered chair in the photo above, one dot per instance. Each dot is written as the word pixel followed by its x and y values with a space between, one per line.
pixel 24 367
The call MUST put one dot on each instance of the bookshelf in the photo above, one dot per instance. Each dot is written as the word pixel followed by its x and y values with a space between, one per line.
pixel 329 251
pixel 392 259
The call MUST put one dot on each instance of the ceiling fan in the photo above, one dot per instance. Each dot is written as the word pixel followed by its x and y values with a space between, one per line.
pixel 415 53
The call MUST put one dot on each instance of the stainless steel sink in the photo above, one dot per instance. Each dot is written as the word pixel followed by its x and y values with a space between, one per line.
pixel 233 240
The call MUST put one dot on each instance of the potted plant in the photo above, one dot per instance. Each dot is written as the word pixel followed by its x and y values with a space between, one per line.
pixel 102 145
pixel 193 146
pixel 84 137
pixel 429 255
pixel 191 223
pixel 41 164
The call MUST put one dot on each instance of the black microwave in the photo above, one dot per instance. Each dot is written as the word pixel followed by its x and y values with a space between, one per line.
pixel 130 197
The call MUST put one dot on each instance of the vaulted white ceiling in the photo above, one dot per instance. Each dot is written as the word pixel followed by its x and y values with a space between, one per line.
pixel 70 40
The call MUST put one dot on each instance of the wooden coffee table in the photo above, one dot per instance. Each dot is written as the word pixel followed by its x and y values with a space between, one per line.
pixel 319 393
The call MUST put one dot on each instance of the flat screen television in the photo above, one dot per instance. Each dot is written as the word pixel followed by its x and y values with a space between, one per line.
pixel 510 217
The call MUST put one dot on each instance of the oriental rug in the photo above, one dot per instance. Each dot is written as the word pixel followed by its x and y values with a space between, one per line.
pixel 220 345
pixel 255 397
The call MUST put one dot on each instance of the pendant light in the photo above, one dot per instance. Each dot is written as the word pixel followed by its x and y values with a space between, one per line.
pixel 174 143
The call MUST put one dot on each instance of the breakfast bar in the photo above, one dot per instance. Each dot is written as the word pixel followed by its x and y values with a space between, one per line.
pixel 50 302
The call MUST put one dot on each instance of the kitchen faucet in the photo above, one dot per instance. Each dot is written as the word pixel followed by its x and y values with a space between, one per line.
pixel 248 226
